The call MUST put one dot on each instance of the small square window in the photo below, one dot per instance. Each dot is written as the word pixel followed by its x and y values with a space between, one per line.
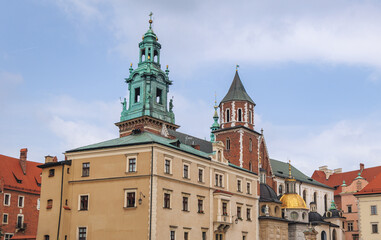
pixel 8 236
pixel 51 172
pixel 85 169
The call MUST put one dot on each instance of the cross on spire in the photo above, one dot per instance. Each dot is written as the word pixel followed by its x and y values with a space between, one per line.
pixel 150 20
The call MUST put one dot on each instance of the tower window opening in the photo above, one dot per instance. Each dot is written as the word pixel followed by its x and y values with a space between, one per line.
pixel 159 98
pixel 142 55
pixel 228 144
pixel 250 117
pixel 137 94
pixel 239 115
pixel 149 53
pixel 250 145
pixel 155 56
pixel 227 115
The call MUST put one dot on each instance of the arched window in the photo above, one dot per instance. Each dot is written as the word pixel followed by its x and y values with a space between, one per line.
pixel 250 145
pixel 323 235
pixel 325 203
pixel 280 189
pixel 305 196
pixel 334 237
pixel 228 144
pixel 239 115
pixel 228 115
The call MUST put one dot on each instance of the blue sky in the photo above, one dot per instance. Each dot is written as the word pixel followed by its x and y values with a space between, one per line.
pixel 313 69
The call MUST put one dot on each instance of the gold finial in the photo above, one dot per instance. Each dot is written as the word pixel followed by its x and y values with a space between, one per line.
pixel 236 67
pixel 289 169
pixel 215 99
pixel 131 65
pixel 167 66
pixel 150 19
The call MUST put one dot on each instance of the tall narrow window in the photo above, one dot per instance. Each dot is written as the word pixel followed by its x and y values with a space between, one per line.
pixel 203 235
pixel 239 184
pixel 373 210
pixel 374 228
pixel 85 169
pixel 248 188
pixel 224 208
pixel 7 199
pixel 130 199
pixel 82 233
pixel 250 117
pixel 186 235
pixel 5 218
pixel 315 197
pixel 172 235
pixel 280 189
pixel 239 215
pixel 159 97
pixel 250 166
pixel 137 94
pixel 200 206
pixel 186 171
pixel 84 202
pixel 201 175
pixel 228 144
pixel 239 115
pixel 185 203
pixel 250 145
pixel 167 200
pixel 304 195
pixel 228 115
pixel 132 164
pixel 349 208
pixel 167 166
pixel 19 223
pixel 248 214
pixel 325 203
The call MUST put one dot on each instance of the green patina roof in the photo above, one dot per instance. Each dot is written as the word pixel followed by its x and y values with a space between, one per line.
pixel 280 169
pixel 237 91
pixel 142 138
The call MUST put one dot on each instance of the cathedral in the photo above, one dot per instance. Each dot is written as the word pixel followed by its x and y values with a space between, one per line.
pixel 155 182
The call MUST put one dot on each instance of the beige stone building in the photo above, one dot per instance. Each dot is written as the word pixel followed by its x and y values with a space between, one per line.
pixel 152 182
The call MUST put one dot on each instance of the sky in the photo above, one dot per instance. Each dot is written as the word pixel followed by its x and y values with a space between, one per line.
pixel 313 69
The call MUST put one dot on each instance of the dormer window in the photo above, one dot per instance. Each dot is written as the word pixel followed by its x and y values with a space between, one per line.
pixel 137 94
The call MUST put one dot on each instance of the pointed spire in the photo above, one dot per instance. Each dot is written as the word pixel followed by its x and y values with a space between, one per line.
pixel 289 169
pixel 237 91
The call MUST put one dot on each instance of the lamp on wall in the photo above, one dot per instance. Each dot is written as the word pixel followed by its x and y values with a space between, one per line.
pixel 140 198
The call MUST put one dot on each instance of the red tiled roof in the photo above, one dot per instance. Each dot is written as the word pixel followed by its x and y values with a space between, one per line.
pixel 336 179
pixel 10 169
pixel 373 187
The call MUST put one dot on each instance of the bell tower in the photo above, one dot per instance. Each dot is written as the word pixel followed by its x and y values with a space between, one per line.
pixel 148 87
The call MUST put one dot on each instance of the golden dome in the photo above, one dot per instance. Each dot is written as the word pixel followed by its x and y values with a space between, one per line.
pixel 292 200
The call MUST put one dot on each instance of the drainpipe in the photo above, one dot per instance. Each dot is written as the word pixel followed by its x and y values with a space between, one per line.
pixel 59 216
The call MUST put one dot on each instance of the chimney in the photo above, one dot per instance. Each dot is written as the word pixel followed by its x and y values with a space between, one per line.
pixel 361 167
pixel 23 156
pixel 49 159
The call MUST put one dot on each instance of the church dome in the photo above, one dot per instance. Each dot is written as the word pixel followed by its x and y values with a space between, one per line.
pixel 267 194
pixel 293 200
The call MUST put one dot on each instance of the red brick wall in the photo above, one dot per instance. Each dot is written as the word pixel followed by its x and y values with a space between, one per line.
pixel 234 117
pixel 29 211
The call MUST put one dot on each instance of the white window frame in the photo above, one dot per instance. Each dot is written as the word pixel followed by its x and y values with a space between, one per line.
pixel 186 164
pixel 88 201
pixel 203 174
pixel 170 165
pixel 172 230
pixel 22 219
pixel 227 115
pixel 18 201
pixel 2 220
pixel 9 199
pixel 38 204
pixel 217 183
pixel 87 232
pixel 10 235
pixel 375 208
pixel 241 115
pixel 126 191
pixel 128 163
pixel 240 181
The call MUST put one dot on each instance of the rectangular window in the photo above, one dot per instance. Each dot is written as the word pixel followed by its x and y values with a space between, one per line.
pixel 201 175
pixel 167 200
pixel 130 199
pixel 82 233
pixel 21 202
pixel 349 208
pixel 173 235
pixel 49 204
pixel 85 169
pixel 228 115
pixel 219 180
pixel 203 235
pixel 159 98
pixel 186 235
pixel 185 203
pixel 7 199
pixel 373 210
pixel 51 172
pixel 239 115
pixel 239 189
pixel 19 223
pixel 8 236
pixel 132 165
pixel 200 206
pixel 248 188
pixel 350 226
pixel 167 166
pixel 137 94
pixel 374 228
pixel 5 218
pixel 186 171
pixel 225 208
pixel 239 215
pixel 84 202
pixel 248 214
